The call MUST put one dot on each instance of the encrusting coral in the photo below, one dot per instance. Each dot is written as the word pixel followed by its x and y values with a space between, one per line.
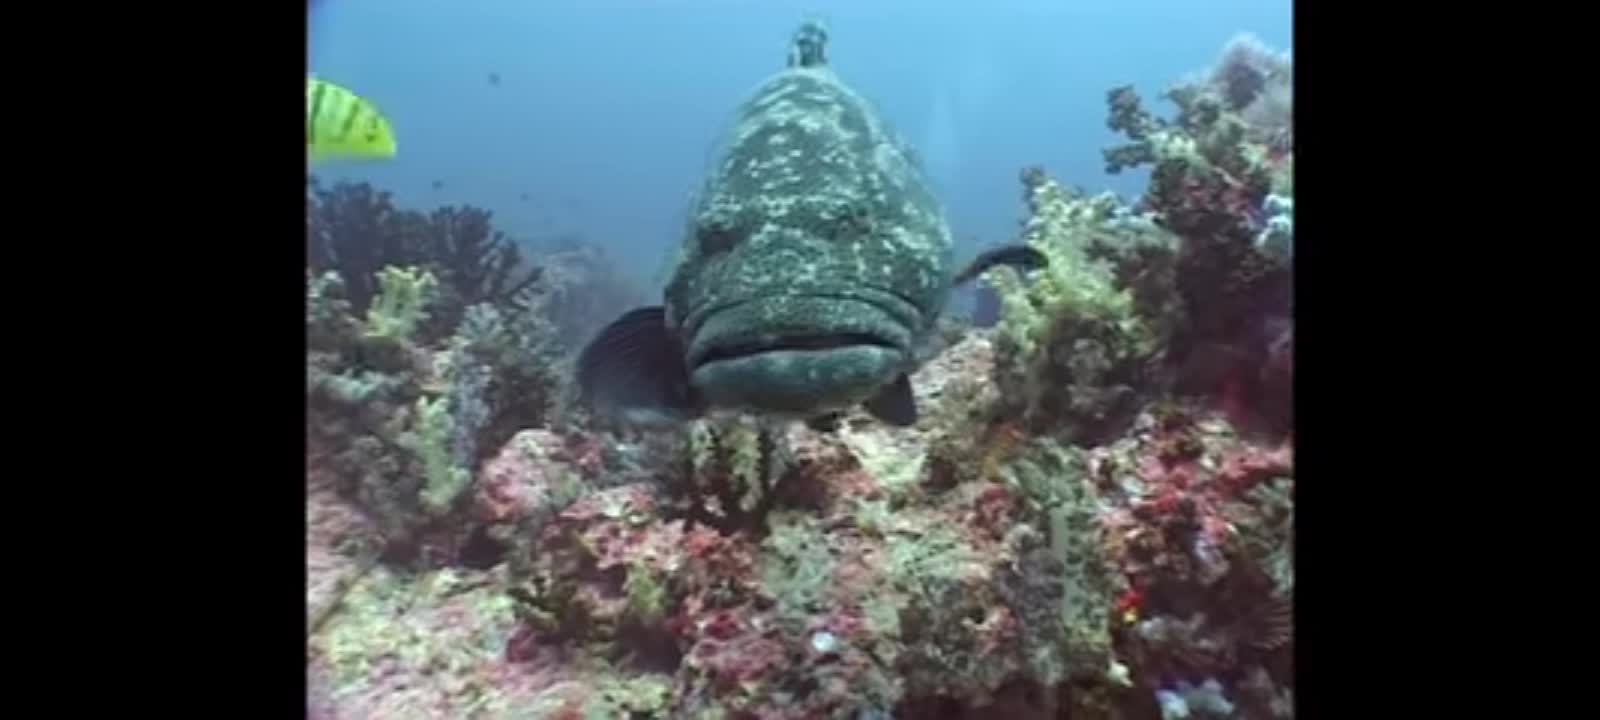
pixel 1073 527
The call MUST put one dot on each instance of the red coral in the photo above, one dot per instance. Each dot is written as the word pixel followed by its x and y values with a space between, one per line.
pixel 572 710
pixel 1130 599
pixel 615 544
pixel 522 645
pixel 717 559
pixel 702 541
pixel 828 474
pixel 732 658
pixel 720 625
pixel 1200 203
pixel 1243 468
pixel 617 502
pixel 997 631
pixel 856 483
pixel 1168 480
pixel 586 453
pixel 848 622
pixel 992 510
pixel 518 481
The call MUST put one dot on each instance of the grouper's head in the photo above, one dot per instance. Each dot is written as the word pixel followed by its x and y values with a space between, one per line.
pixel 802 321
pixel 816 259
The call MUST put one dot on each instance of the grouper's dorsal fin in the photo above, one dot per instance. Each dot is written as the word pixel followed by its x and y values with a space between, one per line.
pixel 1021 257
pixel 809 47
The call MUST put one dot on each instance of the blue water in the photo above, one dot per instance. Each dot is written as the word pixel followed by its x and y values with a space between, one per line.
pixel 606 110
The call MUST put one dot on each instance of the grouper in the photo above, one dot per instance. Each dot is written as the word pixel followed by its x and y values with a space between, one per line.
pixel 810 278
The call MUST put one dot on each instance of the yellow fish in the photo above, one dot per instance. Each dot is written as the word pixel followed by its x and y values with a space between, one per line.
pixel 340 123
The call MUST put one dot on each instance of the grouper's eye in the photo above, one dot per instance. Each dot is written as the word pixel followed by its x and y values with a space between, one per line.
pixel 716 239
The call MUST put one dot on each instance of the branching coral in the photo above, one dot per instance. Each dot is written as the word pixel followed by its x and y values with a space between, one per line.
pixel 1072 345
pixel 402 303
pixel 354 379
pixel 505 376
pixel 431 439
pixel 365 398
pixel 357 231
pixel 407 428
pixel 1222 181
pixel 727 472
pixel 476 263
pixel 1258 83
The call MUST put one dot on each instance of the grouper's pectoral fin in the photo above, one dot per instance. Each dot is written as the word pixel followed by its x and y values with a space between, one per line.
pixel 1021 257
pixel 635 368
pixel 894 404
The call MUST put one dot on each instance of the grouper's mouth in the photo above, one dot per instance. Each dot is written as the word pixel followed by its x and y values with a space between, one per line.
pixel 799 354
pixel 825 341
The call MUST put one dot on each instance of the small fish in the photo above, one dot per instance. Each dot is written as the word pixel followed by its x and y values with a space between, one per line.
pixel 494 79
pixel 438 185
pixel 340 123
pixel 812 276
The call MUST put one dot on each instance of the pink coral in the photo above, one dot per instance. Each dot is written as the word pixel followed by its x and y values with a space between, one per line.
pixel 1178 487
pixel 521 480
pixel 1244 467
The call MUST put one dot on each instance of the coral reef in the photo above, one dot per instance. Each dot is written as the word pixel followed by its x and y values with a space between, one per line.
pixel 1092 517
pixel 403 427
pixel 1040 577
pixel 357 231
pixel 476 263
pixel 1074 343
pixel 584 289
pixel 402 303
pixel 1201 527
pixel 1222 181
pixel 505 371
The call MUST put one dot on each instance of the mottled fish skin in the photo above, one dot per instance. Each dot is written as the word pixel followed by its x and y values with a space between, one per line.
pixel 815 223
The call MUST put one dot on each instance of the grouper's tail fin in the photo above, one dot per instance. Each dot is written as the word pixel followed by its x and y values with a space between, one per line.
pixel 1021 257
pixel 809 47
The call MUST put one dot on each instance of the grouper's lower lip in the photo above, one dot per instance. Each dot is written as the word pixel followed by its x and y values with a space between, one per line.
pixel 799 323
pixel 799 354
pixel 800 382
pixel 789 344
